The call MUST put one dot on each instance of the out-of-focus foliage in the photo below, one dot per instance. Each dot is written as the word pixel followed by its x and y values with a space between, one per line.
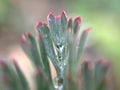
pixel 103 16
pixel 4 11
pixel 95 5
pixel 10 16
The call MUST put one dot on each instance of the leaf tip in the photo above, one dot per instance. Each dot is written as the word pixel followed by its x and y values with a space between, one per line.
pixel 63 13
pixel 23 39
pixel 86 62
pixel 70 19
pixel 105 63
pixel 78 20
pixel 29 34
pixel 44 23
pixel 39 23
pixel 87 29
pixel 50 15
pixel 58 17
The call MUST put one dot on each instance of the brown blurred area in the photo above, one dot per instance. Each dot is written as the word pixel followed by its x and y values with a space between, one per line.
pixel 22 17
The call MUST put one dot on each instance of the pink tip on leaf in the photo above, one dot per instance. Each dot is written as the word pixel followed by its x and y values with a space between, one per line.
pixel 63 13
pixel 102 61
pixel 70 19
pixel 39 23
pixel 28 34
pixel 86 62
pixel 58 17
pixel 87 29
pixel 105 63
pixel 44 23
pixel 24 40
pixel 24 36
pixel 50 15
pixel 21 40
pixel 78 20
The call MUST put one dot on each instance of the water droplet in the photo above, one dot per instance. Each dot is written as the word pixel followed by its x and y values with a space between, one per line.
pixel 60 58
pixel 59 45
pixel 61 48
pixel 58 83
pixel 66 59
pixel 62 67
pixel 64 63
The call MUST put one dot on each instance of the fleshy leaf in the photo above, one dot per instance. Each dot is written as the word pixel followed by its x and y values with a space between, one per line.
pixel 31 49
pixel 21 77
pixel 82 42
pixel 101 69
pixel 77 23
pixel 87 75
pixel 45 34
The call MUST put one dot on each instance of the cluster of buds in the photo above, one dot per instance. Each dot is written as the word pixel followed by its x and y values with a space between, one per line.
pixel 60 42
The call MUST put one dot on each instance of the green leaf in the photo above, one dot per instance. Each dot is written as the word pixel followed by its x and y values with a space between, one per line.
pixel 70 25
pixel 45 59
pixel 45 34
pixel 8 75
pixel 21 77
pixel 30 47
pixel 87 75
pixel 64 24
pixel 77 23
pixel 53 28
pixel 69 83
pixel 101 68
pixel 82 43
pixel 42 81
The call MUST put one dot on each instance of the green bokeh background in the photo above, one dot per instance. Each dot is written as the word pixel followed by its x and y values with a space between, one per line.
pixel 104 17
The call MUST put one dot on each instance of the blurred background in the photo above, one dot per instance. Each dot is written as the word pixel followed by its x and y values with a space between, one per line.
pixel 20 16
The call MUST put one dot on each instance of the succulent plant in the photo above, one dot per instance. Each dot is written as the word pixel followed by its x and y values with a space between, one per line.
pixel 61 42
